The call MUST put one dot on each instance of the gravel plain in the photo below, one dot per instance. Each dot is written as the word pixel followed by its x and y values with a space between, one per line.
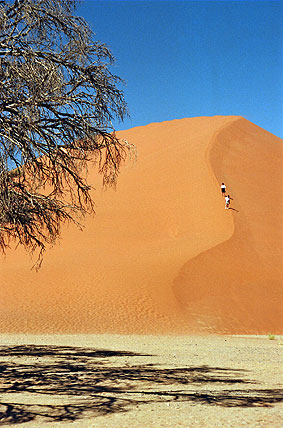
pixel 131 381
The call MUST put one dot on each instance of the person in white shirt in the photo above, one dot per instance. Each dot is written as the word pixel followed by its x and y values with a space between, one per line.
pixel 227 202
pixel 223 189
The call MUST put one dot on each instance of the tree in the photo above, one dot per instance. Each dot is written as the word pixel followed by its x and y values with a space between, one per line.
pixel 57 102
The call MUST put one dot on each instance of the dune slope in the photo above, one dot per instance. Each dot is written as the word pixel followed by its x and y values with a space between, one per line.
pixel 243 291
pixel 162 254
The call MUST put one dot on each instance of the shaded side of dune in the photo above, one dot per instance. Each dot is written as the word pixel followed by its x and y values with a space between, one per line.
pixel 236 287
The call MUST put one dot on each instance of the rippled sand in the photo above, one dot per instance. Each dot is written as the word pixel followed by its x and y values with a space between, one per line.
pixel 162 255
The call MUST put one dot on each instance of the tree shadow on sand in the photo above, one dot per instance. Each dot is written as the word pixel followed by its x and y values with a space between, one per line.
pixel 86 384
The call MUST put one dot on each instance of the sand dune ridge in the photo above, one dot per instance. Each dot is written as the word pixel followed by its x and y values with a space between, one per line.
pixel 162 255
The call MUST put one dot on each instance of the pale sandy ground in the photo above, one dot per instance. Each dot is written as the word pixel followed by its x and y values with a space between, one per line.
pixel 131 381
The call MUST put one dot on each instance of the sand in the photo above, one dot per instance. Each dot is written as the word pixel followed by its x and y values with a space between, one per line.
pixel 116 381
pixel 170 297
pixel 162 255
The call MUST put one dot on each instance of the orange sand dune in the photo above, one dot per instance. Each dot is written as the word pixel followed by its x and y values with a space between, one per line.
pixel 162 255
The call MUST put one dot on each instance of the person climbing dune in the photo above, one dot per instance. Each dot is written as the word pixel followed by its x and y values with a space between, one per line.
pixel 227 202
pixel 223 189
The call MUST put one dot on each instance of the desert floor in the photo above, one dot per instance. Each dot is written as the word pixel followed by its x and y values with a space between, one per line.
pixel 136 381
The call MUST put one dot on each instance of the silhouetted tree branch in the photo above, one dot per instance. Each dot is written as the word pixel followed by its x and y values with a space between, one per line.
pixel 57 102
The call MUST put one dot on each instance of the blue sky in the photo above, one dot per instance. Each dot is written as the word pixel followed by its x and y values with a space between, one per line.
pixel 195 58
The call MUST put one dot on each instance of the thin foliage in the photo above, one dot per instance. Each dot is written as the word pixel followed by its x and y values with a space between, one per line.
pixel 58 99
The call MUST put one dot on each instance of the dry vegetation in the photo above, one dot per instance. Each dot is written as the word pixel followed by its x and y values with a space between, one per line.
pixel 58 99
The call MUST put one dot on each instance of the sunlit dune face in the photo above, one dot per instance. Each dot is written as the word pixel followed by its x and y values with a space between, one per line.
pixel 162 254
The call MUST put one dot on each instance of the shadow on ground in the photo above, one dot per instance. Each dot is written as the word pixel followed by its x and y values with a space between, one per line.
pixel 86 382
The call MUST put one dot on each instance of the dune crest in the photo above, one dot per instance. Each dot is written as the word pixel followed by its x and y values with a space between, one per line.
pixel 243 293
pixel 162 255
